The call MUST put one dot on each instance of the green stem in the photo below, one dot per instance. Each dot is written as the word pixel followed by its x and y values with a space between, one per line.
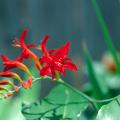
pixel 57 75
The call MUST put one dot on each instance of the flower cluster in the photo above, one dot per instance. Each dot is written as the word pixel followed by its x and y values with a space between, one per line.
pixel 52 62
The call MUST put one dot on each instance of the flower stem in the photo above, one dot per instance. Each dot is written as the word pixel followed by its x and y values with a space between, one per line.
pixel 57 75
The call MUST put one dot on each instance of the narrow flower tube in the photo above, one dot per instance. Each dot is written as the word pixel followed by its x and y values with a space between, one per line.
pixel 11 74
pixel 7 82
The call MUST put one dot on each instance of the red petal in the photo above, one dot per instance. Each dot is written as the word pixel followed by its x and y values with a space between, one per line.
pixel 9 65
pixel 52 51
pixel 24 84
pixel 4 58
pixel 29 82
pixel 31 45
pixel 70 65
pixel 53 74
pixel 6 74
pixel 12 64
pixel 22 37
pixel 5 82
pixel 45 59
pixel 16 88
pixel 60 68
pixel 19 59
pixel 45 71
pixel 63 51
pixel 43 45
pixel 66 59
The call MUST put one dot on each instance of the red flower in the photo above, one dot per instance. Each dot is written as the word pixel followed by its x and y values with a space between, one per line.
pixel 26 52
pixel 14 63
pixel 55 59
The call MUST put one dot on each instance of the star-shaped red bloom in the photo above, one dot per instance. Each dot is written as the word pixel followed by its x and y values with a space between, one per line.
pixel 55 59
pixel 26 52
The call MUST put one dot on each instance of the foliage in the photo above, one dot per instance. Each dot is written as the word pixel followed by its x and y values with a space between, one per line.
pixel 61 103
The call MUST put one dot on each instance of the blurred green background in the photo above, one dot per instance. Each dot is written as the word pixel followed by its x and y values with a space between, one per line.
pixel 63 20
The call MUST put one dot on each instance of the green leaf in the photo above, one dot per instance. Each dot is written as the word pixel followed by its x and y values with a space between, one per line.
pixel 61 103
pixel 106 34
pixel 71 101
pixel 110 111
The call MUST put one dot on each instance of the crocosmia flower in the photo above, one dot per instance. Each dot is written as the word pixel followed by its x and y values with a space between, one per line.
pixel 9 64
pixel 26 52
pixel 52 62
pixel 55 59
